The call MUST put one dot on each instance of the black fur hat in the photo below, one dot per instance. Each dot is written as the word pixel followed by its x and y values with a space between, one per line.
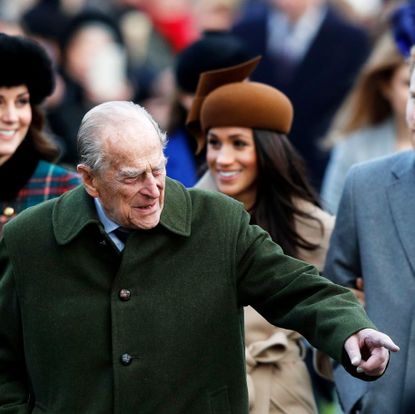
pixel 25 62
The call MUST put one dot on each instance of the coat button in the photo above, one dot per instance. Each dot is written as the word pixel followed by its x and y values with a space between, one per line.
pixel 124 294
pixel 8 212
pixel 126 359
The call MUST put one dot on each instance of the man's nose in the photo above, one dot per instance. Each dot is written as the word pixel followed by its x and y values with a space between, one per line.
pixel 150 188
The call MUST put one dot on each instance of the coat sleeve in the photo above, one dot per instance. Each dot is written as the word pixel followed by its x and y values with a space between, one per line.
pixel 14 394
pixel 291 294
pixel 343 257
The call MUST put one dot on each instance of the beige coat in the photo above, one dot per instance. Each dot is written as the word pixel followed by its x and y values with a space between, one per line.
pixel 278 379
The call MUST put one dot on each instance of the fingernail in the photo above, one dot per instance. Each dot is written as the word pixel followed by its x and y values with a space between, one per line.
pixel 355 360
pixel 359 370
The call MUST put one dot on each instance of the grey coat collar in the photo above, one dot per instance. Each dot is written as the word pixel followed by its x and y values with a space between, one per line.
pixel 75 210
pixel 404 165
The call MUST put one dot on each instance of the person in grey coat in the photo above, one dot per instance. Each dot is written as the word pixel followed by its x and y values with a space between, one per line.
pixel 374 238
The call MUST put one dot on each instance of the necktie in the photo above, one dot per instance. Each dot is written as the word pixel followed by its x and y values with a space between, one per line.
pixel 122 233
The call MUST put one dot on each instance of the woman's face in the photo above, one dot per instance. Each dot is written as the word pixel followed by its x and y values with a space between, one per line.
pixel 15 119
pixel 232 161
pixel 396 90
pixel 83 49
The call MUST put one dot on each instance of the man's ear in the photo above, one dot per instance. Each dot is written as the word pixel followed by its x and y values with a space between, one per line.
pixel 88 179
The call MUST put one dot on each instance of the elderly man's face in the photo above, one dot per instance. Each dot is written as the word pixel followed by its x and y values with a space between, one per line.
pixel 131 183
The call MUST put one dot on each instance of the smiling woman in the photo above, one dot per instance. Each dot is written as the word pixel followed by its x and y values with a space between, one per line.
pixel 27 175
pixel 244 126
pixel 15 119
pixel 232 161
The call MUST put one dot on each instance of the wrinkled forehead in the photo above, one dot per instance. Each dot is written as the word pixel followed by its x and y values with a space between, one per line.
pixel 130 131
pixel 133 144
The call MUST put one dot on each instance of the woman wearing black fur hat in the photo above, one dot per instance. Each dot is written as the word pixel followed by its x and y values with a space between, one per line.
pixel 27 175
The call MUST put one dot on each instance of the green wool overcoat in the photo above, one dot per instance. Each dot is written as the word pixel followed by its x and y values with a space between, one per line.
pixel 158 328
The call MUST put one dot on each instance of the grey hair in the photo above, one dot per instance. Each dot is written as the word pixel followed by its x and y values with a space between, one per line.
pixel 100 117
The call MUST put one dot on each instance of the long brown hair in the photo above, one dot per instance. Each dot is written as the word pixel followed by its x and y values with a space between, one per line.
pixel 366 104
pixel 44 145
pixel 282 180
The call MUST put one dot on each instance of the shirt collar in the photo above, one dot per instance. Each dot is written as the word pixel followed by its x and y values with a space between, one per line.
pixel 108 224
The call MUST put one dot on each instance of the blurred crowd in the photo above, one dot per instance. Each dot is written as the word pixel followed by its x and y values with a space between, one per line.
pixel 152 52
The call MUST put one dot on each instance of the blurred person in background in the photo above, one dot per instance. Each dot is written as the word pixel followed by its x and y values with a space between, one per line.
pixel 214 50
pixel 300 42
pixel 371 122
pixel 155 92
pixel 146 45
pixel 95 68
pixel 46 21
pixel 27 174
pixel 174 20
pixel 216 15
pixel 244 126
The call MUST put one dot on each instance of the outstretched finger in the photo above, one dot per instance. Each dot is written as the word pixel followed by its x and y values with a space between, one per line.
pixel 379 341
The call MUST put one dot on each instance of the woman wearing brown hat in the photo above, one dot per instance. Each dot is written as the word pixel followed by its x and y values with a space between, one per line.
pixel 27 175
pixel 245 125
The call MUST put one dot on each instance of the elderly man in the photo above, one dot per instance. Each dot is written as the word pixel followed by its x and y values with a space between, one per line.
pixel 125 295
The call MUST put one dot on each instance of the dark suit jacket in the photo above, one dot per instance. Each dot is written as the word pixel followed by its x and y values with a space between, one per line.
pixel 319 82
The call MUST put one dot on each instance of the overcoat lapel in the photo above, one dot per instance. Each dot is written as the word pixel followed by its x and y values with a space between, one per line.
pixel 401 198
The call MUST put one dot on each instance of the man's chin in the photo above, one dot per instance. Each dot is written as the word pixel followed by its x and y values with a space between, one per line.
pixel 147 223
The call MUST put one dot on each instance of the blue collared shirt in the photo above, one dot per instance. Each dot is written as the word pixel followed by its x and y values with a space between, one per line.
pixel 109 225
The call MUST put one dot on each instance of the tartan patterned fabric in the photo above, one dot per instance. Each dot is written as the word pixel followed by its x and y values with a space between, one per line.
pixel 48 181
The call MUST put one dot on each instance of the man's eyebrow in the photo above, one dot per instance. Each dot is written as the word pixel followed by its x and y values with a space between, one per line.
pixel 135 172
pixel 131 172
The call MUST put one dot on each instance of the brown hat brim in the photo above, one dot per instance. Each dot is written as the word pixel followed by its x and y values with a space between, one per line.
pixel 246 104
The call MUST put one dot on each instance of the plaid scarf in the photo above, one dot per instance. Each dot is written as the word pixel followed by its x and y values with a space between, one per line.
pixel 47 181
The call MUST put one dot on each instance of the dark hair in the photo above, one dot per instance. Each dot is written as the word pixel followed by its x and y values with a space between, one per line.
pixel 281 181
pixel 215 50
pixel 43 145
pixel 86 18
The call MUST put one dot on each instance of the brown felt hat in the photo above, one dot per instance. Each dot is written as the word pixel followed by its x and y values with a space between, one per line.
pixel 225 98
